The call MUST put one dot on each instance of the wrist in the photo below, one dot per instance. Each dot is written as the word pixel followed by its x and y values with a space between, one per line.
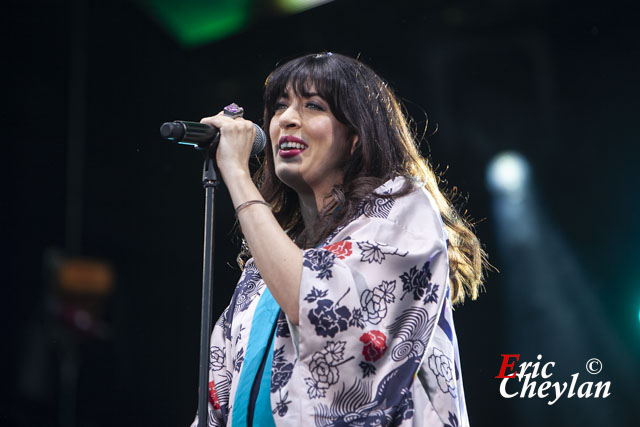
pixel 240 185
pixel 235 173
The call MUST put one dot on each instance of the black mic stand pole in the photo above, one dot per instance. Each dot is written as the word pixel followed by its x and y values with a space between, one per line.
pixel 209 182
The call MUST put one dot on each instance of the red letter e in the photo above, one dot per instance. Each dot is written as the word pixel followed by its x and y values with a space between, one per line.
pixel 505 365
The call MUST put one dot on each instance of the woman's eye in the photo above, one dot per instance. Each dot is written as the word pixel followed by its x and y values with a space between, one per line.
pixel 314 106
pixel 280 106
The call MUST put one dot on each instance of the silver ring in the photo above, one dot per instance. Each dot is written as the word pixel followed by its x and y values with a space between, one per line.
pixel 233 110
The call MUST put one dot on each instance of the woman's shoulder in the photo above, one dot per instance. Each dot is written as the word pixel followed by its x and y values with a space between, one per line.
pixel 414 210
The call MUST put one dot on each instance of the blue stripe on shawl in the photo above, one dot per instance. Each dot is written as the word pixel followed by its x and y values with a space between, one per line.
pixel 261 327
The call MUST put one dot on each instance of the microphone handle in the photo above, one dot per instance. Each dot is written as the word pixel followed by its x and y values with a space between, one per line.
pixel 191 133
pixel 204 136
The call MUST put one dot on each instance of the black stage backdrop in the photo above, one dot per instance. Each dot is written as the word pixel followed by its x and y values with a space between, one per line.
pixel 555 81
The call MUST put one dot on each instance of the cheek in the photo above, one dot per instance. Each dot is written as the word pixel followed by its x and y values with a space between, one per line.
pixel 273 137
pixel 274 133
pixel 342 140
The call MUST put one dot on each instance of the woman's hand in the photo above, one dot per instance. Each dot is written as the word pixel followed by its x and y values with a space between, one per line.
pixel 236 141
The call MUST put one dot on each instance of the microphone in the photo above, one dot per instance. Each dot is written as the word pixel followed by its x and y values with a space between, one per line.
pixel 204 136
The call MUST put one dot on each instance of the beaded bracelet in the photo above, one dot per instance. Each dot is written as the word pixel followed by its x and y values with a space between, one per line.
pixel 249 203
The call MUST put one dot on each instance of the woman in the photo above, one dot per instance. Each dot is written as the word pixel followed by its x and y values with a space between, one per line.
pixel 343 315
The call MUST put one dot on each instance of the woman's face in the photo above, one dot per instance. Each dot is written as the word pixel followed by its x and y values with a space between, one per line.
pixel 310 146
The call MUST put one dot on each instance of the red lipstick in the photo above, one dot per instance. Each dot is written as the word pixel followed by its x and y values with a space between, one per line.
pixel 290 146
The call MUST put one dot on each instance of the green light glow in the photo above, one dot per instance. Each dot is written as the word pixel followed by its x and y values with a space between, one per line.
pixel 196 22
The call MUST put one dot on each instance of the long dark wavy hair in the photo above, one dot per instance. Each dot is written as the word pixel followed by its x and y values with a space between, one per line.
pixel 386 148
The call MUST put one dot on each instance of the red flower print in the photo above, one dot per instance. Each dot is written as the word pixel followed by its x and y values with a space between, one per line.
pixel 374 345
pixel 213 396
pixel 341 249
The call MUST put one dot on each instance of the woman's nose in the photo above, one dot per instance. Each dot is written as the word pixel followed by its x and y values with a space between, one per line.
pixel 290 118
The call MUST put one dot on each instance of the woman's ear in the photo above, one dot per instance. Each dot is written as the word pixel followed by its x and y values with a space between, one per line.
pixel 354 143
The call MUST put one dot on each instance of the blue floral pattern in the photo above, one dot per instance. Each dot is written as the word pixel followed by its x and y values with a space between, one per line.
pixel 324 368
pixel 282 404
pixel 281 370
pixel 418 283
pixel 443 369
pixel 238 359
pixel 216 358
pixel 368 368
pixel 282 327
pixel 249 287
pixel 376 252
pixel 374 302
pixel 357 319
pixel 328 317
pixel 315 294
pixel 453 420
pixel 405 409
pixel 319 260
pixel 378 207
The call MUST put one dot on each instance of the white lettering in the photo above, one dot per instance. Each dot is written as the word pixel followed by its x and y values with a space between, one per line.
pixel 600 386
pixel 559 392
pixel 544 369
pixel 582 393
pixel 523 369
pixel 545 385
pixel 536 366
pixel 528 386
pixel 503 389
pixel 574 378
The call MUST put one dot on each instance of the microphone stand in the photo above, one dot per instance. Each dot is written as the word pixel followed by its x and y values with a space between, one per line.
pixel 209 182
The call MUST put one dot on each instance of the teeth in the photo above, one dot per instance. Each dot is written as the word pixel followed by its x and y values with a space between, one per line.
pixel 288 145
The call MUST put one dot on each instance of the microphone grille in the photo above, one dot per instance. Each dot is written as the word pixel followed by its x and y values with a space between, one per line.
pixel 259 141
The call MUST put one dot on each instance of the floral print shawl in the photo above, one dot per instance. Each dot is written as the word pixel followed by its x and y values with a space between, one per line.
pixel 375 344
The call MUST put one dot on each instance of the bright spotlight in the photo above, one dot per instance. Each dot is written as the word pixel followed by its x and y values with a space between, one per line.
pixel 508 174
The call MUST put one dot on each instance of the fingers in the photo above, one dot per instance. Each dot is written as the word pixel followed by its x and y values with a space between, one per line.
pixel 228 125
pixel 236 141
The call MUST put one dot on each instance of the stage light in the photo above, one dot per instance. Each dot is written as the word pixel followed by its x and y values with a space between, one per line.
pixel 194 23
pixel 508 174
pixel 550 307
pixel 292 6
pixel 84 276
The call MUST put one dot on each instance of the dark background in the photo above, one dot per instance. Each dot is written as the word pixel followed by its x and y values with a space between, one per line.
pixel 556 81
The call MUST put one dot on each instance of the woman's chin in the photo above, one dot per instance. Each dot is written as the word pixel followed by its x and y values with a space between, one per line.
pixel 291 178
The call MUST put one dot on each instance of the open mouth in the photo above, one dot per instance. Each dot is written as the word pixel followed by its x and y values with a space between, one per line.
pixel 290 145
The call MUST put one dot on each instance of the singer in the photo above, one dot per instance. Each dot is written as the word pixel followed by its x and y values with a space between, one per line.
pixel 354 256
